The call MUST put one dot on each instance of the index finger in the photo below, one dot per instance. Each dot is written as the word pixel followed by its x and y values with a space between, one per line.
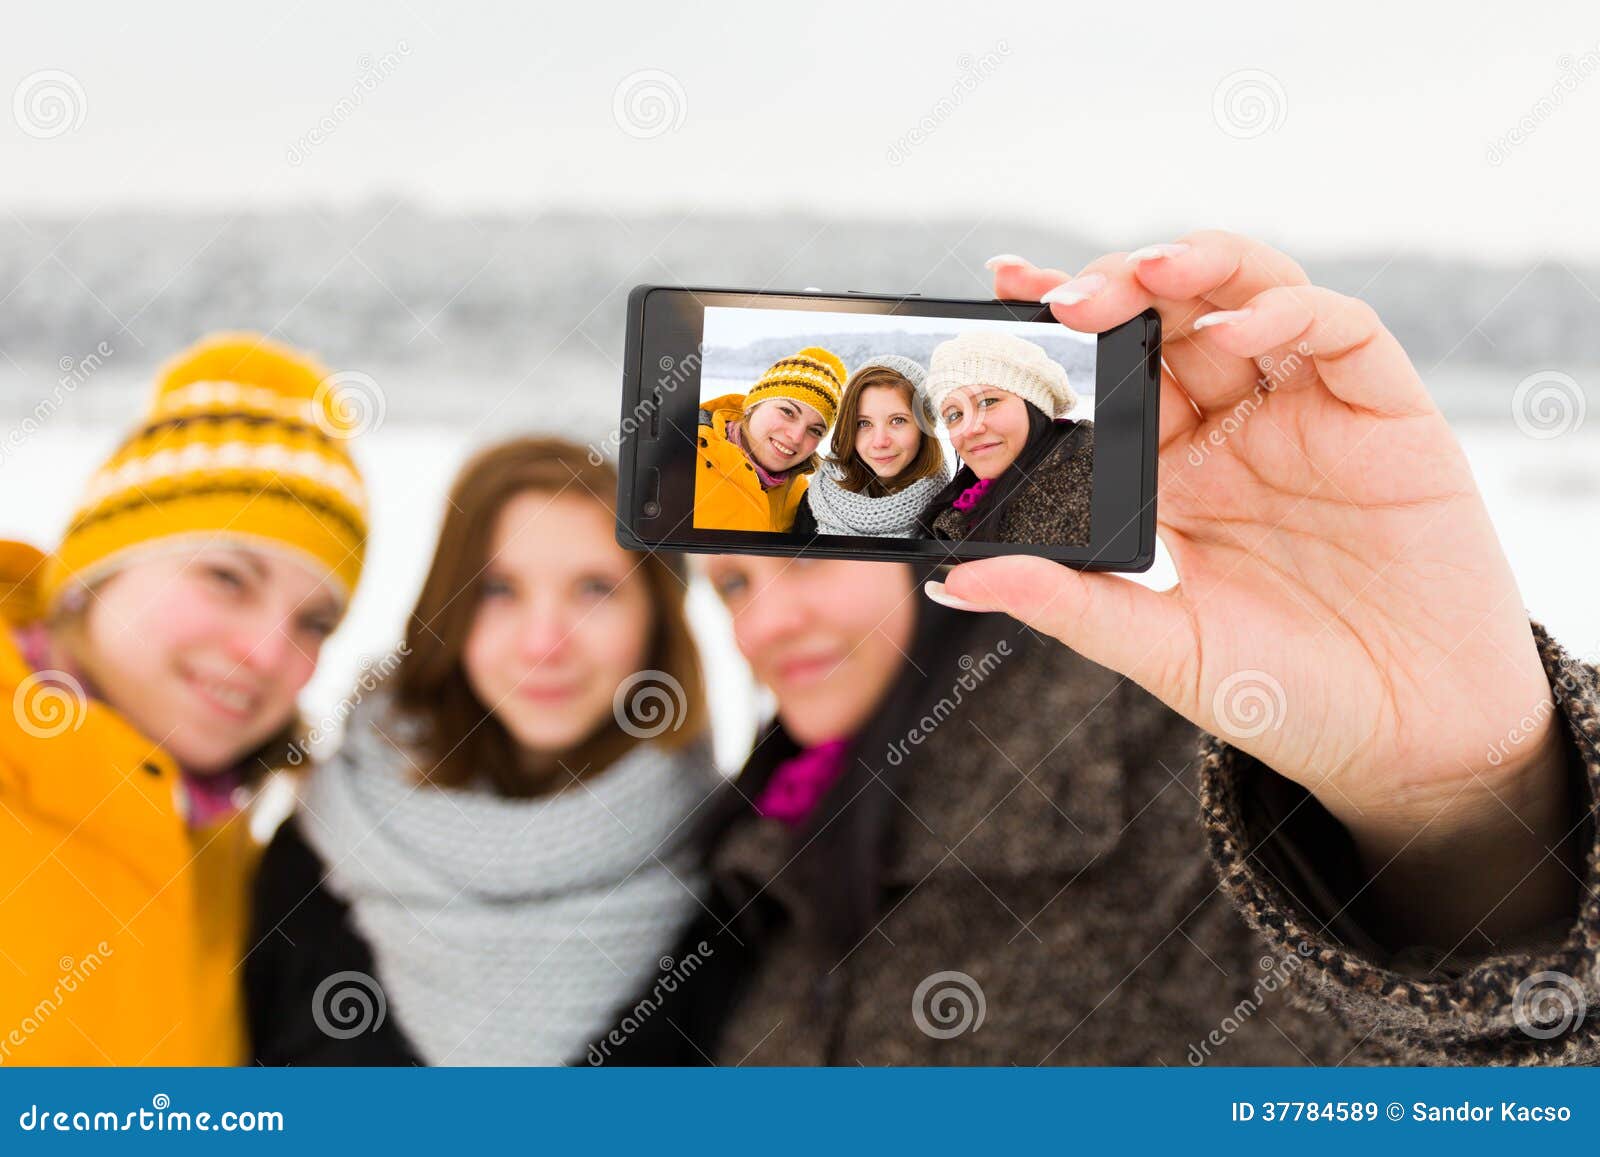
pixel 1204 272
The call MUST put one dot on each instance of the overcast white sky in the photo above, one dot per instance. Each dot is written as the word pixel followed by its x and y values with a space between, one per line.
pixel 1377 120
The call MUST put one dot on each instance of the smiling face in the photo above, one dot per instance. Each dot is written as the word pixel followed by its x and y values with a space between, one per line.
pixel 988 427
pixel 782 433
pixel 887 438
pixel 828 637
pixel 563 617
pixel 206 651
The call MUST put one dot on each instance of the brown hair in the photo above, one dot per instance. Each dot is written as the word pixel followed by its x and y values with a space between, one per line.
pixel 856 475
pixel 461 737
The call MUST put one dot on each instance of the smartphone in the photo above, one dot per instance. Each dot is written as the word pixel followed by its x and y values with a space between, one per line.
pixel 876 426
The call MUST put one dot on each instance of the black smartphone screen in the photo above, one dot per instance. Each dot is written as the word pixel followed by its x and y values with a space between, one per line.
pixel 872 426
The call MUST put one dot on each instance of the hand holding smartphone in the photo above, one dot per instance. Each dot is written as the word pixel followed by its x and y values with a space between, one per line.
pixel 878 427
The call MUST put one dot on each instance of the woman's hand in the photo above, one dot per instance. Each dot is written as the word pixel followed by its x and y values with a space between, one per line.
pixel 1344 611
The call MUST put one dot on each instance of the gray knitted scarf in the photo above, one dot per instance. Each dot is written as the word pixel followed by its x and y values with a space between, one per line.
pixel 507 931
pixel 841 511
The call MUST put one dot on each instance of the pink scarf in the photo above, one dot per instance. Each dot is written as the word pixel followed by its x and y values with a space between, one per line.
pixel 972 495
pixel 800 782
pixel 210 798
pixel 769 480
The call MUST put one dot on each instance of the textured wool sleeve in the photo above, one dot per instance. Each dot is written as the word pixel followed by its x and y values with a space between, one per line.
pixel 1291 870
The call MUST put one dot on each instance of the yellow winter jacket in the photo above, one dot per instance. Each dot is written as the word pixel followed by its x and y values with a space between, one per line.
pixel 727 492
pixel 121 931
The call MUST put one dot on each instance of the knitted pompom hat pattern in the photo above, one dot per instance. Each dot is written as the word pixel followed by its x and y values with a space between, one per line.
pixel 814 376
pixel 1001 360
pixel 244 440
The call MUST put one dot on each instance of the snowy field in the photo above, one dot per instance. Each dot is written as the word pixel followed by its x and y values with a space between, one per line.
pixel 1544 497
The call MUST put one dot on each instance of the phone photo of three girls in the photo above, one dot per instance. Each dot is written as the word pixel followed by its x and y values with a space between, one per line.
pixel 1151 628
pixel 913 430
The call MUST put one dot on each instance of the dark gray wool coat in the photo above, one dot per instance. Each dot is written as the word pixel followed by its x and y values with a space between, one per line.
pixel 1044 497
pixel 1073 875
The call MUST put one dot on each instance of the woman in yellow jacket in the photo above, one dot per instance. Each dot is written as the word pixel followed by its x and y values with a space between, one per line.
pixel 149 670
pixel 758 449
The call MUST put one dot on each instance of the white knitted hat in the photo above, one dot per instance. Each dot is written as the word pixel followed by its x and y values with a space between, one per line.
pixel 1001 360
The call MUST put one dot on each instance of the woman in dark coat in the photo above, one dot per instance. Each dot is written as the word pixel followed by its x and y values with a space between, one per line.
pixel 1016 836
pixel 946 852
pixel 1026 469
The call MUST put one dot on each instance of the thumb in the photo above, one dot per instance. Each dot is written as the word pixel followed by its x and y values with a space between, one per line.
pixel 1144 634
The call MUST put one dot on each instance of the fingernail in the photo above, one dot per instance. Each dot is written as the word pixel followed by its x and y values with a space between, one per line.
pixel 1221 317
pixel 1000 259
pixel 935 591
pixel 1076 290
pixel 1151 252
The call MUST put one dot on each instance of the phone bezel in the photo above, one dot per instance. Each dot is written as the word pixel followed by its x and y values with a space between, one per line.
pixel 657 438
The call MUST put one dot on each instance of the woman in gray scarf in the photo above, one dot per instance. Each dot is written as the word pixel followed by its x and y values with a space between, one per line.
pixel 502 851
pixel 884 464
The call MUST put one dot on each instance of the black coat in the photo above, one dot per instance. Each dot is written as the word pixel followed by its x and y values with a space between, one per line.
pixel 303 936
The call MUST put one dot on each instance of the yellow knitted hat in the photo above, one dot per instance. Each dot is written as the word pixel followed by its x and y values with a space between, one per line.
pixel 245 439
pixel 814 376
